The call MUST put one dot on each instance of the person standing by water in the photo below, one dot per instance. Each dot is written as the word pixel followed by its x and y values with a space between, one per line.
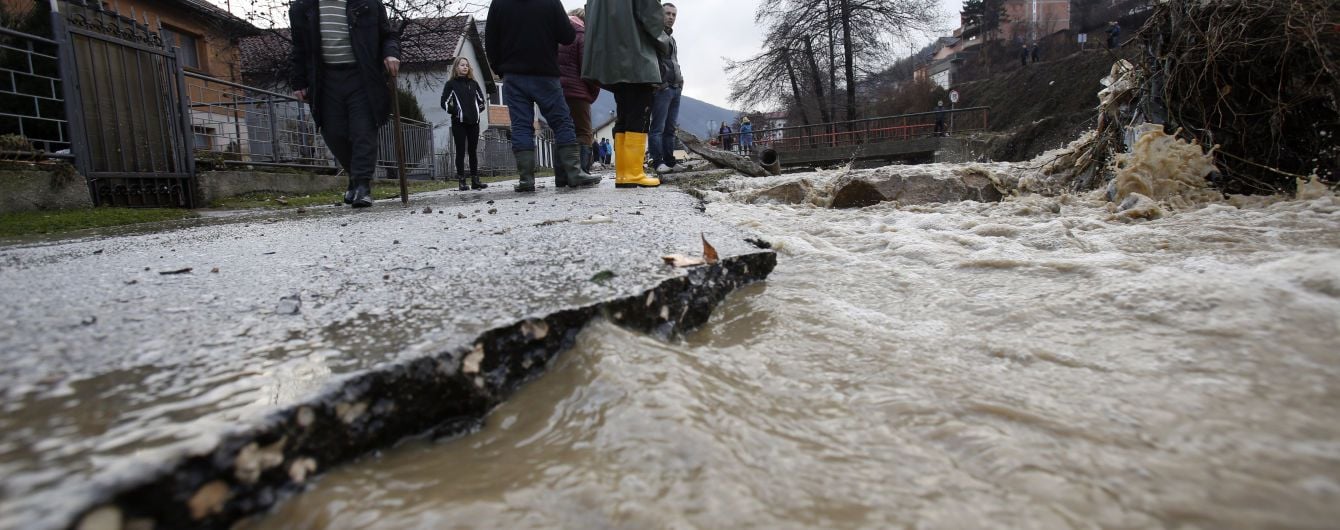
pixel 523 37
pixel 940 118
pixel 746 137
pixel 665 106
pixel 463 99
pixel 342 53
pixel 625 40
pixel 727 136
pixel 1113 35
pixel 577 92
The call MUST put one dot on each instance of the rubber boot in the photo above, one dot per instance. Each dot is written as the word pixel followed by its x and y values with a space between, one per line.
pixel 460 179
pixel 475 184
pixel 570 160
pixel 560 175
pixel 628 169
pixel 362 193
pixel 587 161
pixel 525 167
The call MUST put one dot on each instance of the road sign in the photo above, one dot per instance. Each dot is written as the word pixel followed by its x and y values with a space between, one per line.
pixel 953 96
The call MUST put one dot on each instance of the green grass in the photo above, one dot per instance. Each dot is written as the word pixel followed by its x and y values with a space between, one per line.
pixel 58 221
pixel 381 189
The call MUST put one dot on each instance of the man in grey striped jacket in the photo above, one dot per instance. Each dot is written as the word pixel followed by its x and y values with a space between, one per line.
pixel 342 52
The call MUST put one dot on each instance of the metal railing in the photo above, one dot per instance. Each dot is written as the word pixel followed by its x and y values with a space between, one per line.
pixel 32 103
pixel 495 154
pixel 866 131
pixel 242 125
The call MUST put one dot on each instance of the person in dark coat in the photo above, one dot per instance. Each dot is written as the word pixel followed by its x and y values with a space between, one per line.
pixel 940 113
pixel 1113 34
pixel 1036 53
pixel 727 136
pixel 523 37
pixel 464 100
pixel 666 102
pixel 1023 54
pixel 625 41
pixel 342 52
pixel 577 92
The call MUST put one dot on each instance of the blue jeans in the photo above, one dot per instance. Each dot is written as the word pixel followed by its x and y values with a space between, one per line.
pixel 664 119
pixel 521 94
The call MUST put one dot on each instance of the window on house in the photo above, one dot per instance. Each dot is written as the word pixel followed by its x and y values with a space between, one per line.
pixel 496 97
pixel 204 138
pixel 188 44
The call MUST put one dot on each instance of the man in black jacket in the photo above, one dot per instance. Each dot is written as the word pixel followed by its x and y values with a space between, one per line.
pixel 522 39
pixel 342 53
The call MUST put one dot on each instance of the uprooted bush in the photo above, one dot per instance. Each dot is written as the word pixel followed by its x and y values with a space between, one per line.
pixel 1260 79
pixel 1256 82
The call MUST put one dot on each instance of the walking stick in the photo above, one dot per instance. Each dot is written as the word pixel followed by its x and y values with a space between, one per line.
pixel 399 140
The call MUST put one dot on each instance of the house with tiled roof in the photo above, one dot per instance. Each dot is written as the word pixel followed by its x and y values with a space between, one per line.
pixel 428 47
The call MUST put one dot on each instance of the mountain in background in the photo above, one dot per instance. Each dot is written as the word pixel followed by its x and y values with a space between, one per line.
pixel 695 116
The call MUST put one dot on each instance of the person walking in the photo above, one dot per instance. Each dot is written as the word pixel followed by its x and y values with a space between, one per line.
pixel 665 105
pixel 727 136
pixel 577 92
pixel 746 137
pixel 463 99
pixel 342 53
pixel 625 40
pixel 940 118
pixel 522 39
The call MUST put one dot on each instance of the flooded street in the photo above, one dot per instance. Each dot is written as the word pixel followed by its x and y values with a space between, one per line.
pixel 1027 364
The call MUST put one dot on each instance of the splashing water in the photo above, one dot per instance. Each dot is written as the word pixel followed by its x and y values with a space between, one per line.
pixel 1033 363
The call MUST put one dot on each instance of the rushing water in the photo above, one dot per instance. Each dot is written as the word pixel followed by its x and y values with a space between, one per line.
pixel 1029 364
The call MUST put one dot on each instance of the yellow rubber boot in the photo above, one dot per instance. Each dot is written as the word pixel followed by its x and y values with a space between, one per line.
pixel 628 172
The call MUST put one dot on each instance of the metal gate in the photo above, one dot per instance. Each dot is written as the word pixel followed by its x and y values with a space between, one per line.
pixel 126 103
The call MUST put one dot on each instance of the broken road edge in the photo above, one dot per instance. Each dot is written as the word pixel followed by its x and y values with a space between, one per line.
pixel 443 394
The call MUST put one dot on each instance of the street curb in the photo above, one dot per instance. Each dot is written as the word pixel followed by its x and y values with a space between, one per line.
pixel 442 394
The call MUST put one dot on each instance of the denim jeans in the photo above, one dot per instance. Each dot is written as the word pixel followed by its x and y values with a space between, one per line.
pixel 521 94
pixel 664 119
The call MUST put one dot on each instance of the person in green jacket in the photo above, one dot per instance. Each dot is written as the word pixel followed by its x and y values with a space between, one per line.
pixel 625 40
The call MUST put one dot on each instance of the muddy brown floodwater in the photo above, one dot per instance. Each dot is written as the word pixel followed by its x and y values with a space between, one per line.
pixel 1028 364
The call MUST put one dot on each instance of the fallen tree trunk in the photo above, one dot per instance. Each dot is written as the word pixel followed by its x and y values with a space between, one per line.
pixel 722 159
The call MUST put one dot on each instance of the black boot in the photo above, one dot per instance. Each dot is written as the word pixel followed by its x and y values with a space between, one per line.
pixel 460 178
pixel 362 193
pixel 349 192
pixel 475 183
pixel 525 167
pixel 587 160
pixel 560 175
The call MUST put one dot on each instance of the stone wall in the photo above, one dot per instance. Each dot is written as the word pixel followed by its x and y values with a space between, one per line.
pixel 30 190
pixel 214 185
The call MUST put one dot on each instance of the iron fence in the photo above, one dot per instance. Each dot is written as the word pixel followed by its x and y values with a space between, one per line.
pixel 495 154
pixel 32 102
pixel 243 125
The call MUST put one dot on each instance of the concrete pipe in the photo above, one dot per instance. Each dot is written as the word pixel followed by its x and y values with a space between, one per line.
pixel 771 161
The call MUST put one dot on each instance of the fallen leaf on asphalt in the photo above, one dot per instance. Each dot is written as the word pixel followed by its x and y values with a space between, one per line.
pixel 709 252
pixel 682 261
pixel 596 220
pixel 178 271
pixel 460 216
pixel 493 210
pixel 603 276
pixel 214 270
pixel 427 209
pixel 96 252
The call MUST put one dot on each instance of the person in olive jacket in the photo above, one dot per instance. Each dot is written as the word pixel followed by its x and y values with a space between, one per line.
pixel 625 40
pixel 463 99
pixel 342 52
pixel 522 39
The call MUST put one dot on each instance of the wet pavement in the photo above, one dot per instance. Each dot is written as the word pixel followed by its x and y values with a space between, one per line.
pixel 122 354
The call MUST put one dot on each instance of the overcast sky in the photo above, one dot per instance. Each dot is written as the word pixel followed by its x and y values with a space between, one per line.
pixel 708 32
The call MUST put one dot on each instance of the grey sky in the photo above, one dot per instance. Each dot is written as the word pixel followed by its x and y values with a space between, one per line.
pixel 708 31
